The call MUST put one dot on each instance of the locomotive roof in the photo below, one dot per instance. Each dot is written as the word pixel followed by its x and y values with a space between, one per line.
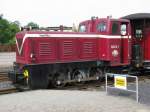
pixel 48 32
pixel 137 16
pixel 112 19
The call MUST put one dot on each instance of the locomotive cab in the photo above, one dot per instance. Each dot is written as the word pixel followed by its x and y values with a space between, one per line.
pixel 114 33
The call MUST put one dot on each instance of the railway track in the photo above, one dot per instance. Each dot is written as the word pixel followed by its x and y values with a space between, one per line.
pixel 95 85
pixel 144 77
pixel 6 85
pixel 99 85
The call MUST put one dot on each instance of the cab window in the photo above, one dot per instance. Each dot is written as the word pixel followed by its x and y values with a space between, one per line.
pixel 82 28
pixel 115 28
pixel 123 29
pixel 101 27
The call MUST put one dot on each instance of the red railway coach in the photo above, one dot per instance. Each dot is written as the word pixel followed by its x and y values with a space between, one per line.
pixel 58 58
pixel 140 27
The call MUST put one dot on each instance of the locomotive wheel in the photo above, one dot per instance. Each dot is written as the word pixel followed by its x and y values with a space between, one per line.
pixel 97 72
pixel 36 78
pixel 78 75
pixel 58 80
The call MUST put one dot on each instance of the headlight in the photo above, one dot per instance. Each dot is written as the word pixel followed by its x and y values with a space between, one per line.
pixel 115 53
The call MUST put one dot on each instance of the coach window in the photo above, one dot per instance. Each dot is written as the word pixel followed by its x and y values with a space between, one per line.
pixel 82 28
pixel 123 29
pixel 115 28
pixel 138 33
pixel 101 27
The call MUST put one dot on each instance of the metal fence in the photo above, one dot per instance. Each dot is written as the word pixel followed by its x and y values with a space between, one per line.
pixel 123 83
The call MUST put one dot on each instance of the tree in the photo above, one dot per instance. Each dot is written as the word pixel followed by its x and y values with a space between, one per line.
pixel 4 31
pixel 14 28
pixel 1 16
pixel 17 23
pixel 33 25
pixel 7 31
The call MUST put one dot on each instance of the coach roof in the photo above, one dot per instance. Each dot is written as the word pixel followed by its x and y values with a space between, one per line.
pixel 137 16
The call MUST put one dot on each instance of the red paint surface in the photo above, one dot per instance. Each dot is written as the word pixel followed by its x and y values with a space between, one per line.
pixel 75 49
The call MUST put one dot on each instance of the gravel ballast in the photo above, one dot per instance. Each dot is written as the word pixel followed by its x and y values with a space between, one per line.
pixel 7 58
pixel 6 61
pixel 68 101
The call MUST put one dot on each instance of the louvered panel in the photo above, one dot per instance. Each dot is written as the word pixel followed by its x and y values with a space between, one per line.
pixel 68 48
pixel 45 49
pixel 89 47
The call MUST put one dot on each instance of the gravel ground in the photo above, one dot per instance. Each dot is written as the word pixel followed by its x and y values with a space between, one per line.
pixel 68 101
pixel 144 91
pixel 74 101
pixel 6 60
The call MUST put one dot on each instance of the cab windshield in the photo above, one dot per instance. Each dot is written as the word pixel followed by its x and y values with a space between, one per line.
pixel 119 28
pixel 123 29
pixel 82 28
pixel 115 28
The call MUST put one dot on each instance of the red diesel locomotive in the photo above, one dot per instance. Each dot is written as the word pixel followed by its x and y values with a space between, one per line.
pixel 58 58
